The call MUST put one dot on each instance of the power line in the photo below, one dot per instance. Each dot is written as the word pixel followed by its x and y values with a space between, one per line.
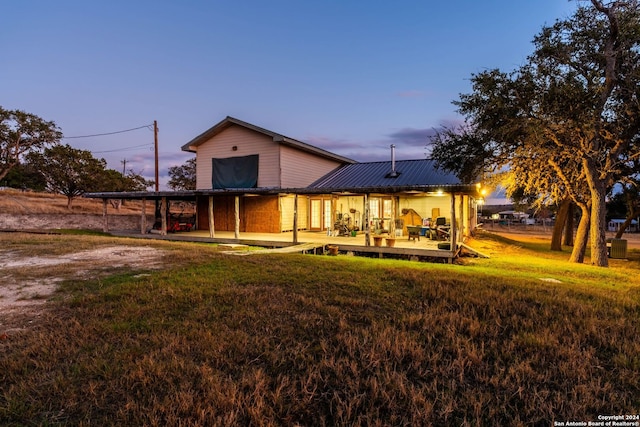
pixel 108 133
pixel 122 149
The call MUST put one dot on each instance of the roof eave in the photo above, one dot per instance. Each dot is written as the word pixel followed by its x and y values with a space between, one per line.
pixel 290 142
pixel 192 145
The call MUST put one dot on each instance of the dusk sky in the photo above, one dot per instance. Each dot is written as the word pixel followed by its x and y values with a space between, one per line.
pixel 351 77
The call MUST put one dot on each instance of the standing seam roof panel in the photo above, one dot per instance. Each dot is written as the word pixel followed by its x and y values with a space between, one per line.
pixel 376 174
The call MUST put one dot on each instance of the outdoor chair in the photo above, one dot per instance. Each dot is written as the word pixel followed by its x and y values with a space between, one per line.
pixel 414 232
pixel 442 229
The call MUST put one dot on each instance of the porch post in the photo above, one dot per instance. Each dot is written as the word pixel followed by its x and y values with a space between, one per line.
pixel 367 236
pixel 105 217
pixel 334 202
pixel 464 227
pixel 295 218
pixel 143 219
pixel 237 215
pixel 163 215
pixel 392 225
pixel 212 231
pixel 454 231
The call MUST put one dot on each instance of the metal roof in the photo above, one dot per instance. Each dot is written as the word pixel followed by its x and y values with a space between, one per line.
pixel 408 173
pixel 278 138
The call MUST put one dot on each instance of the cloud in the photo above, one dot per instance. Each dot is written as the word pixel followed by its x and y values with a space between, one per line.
pixel 378 154
pixel 331 144
pixel 410 144
pixel 412 137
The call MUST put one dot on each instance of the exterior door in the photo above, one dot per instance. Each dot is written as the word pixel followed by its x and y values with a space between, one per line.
pixel 319 214
pixel 327 214
pixel 315 214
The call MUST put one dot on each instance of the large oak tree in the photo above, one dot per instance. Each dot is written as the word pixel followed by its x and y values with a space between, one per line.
pixel 69 171
pixel 22 133
pixel 574 103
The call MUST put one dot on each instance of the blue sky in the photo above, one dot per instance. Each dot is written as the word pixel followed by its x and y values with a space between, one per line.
pixel 349 76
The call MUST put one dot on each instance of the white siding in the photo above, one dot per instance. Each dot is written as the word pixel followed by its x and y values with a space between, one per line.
pixel 423 205
pixel 247 142
pixel 299 169
pixel 286 212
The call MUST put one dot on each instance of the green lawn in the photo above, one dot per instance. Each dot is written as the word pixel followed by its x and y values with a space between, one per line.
pixel 319 340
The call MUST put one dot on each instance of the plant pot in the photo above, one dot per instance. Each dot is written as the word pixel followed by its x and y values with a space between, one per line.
pixel 377 240
pixel 391 242
pixel 333 249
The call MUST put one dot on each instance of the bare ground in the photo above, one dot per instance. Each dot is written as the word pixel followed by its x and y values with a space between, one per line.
pixel 27 282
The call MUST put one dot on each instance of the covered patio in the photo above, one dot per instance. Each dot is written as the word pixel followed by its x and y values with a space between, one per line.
pixel 394 241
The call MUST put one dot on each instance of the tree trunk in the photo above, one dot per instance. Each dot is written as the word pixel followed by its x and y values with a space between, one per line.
pixel 625 224
pixel 598 215
pixel 582 235
pixel 568 228
pixel 116 203
pixel 561 219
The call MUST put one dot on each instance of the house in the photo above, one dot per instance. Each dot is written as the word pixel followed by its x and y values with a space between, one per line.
pixel 615 224
pixel 272 171
pixel 253 180
pixel 234 155
pixel 262 158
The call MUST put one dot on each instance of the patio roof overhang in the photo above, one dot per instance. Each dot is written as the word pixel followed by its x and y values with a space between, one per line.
pixel 469 189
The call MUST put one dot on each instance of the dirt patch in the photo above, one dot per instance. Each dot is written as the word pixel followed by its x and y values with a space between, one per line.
pixel 27 282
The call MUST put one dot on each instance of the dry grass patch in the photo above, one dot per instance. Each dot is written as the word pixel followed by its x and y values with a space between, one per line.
pixel 309 340
pixel 21 202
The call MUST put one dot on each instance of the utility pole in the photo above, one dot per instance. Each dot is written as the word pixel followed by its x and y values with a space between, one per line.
pixel 124 166
pixel 155 142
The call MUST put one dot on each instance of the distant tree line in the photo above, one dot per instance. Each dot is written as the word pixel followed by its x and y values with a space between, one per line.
pixel 31 157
